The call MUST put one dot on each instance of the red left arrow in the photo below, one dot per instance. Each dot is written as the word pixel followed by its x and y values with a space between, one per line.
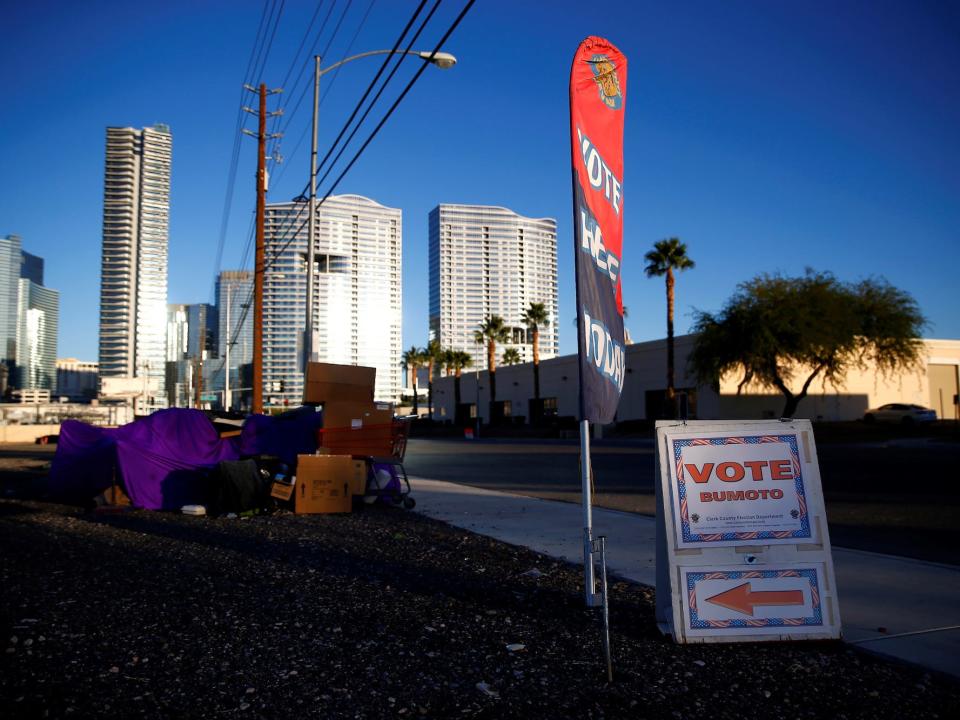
pixel 743 599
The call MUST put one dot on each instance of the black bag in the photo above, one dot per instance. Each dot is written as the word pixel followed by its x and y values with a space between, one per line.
pixel 236 486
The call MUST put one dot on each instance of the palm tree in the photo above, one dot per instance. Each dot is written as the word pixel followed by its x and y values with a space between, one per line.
pixel 492 330
pixel 536 317
pixel 459 361
pixel 667 256
pixel 446 362
pixel 511 356
pixel 433 354
pixel 413 359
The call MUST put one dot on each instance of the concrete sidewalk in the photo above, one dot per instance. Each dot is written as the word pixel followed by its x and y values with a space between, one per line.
pixel 917 604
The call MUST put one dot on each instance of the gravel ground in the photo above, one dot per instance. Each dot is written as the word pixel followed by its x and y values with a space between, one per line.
pixel 382 613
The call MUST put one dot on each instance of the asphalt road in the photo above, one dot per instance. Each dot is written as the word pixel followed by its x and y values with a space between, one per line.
pixel 895 497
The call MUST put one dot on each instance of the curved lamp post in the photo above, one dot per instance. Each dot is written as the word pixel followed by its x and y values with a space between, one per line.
pixel 443 61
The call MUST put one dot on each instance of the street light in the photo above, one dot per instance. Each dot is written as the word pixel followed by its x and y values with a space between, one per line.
pixel 442 60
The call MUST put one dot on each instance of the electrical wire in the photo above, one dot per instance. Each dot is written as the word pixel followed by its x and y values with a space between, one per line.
pixel 376 130
pixel 371 85
pixel 261 65
pixel 235 155
pixel 326 48
pixel 362 148
pixel 274 150
pixel 307 126
pixel 402 95
pixel 383 66
pixel 375 98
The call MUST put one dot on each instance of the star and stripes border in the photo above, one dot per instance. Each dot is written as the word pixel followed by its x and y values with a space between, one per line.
pixel 718 538
pixel 698 623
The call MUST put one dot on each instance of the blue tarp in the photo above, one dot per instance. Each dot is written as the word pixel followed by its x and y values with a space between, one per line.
pixel 162 460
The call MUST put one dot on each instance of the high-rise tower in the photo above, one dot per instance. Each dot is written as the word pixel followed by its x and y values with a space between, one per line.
pixel 357 306
pixel 491 261
pixel 133 277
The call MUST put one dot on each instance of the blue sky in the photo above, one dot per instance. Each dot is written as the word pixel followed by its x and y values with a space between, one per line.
pixel 768 136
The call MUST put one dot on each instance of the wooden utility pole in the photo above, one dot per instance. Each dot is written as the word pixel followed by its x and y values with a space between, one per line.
pixel 260 255
pixel 202 345
pixel 198 383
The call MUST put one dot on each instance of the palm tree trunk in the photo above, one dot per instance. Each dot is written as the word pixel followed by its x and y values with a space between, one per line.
pixel 492 367
pixel 430 387
pixel 671 392
pixel 536 363
pixel 456 395
pixel 416 397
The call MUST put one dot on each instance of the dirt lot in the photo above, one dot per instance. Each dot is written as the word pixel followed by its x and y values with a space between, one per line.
pixel 381 613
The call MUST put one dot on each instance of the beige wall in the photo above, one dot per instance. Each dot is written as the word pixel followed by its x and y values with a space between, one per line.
pixel 860 390
pixel 25 433
pixel 647 367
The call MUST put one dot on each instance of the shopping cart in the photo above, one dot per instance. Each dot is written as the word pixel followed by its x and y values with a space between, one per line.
pixel 383 448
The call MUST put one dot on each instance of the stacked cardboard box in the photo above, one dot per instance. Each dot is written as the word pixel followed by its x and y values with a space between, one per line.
pixel 328 383
pixel 352 423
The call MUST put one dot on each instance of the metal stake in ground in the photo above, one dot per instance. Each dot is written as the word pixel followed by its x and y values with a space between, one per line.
pixel 601 549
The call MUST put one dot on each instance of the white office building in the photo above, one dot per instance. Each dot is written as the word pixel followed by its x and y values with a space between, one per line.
pixel 491 261
pixel 133 281
pixel 357 298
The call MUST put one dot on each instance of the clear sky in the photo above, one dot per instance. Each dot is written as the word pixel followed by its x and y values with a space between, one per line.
pixel 768 136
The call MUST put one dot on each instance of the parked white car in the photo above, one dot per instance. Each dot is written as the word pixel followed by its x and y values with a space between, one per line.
pixel 900 412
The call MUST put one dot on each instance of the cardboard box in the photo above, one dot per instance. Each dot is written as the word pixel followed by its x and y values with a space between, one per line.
pixel 323 484
pixel 352 428
pixel 358 482
pixel 113 496
pixel 326 382
pixel 281 490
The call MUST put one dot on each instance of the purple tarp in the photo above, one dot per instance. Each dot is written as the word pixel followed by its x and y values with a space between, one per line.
pixel 162 459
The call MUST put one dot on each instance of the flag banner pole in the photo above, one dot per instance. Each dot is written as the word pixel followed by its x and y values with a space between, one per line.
pixel 589 584
pixel 598 81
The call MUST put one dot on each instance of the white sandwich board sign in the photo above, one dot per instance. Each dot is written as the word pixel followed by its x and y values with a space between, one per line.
pixel 743 552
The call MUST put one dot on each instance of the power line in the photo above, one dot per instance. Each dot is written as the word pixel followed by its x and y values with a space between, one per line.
pixel 306 61
pixel 293 62
pixel 376 77
pixel 376 130
pixel 396 44
pixel 306 127
pixel 375 98
pixel 257 59
pixel 267 47
pixel 235 155
pixel 326 48
pixel 396 102
pixel 269 263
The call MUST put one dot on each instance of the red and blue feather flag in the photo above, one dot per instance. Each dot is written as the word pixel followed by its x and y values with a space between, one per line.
pixel 598 83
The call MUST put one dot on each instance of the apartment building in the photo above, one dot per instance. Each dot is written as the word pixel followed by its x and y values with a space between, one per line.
pixel 357 299
pixel 485 261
